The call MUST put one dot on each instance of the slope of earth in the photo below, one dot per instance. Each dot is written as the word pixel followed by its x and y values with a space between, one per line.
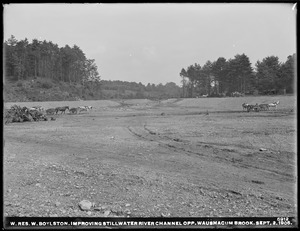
pixel 178 158
pixel 41 89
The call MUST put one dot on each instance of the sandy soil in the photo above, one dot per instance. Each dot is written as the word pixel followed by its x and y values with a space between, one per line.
pixel 142 158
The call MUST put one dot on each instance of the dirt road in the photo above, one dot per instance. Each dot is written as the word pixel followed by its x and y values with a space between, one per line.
pixel 177 158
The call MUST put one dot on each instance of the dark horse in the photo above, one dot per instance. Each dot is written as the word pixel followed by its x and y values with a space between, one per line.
pixel 62 109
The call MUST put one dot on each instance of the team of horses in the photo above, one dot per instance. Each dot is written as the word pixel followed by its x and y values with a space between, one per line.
pixel 77 110
pixel 260 107
pixel 62 110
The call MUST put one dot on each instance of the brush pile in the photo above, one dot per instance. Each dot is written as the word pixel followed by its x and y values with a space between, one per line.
pixel 23 114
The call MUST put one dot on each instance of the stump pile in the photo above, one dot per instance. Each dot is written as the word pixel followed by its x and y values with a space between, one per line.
pixel 23 114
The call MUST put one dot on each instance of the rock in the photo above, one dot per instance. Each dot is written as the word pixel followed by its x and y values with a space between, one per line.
pixel 89 213
pixel 106 213
pixel 85 205
pixel 165 215
pixel 57 204
pixel 127 211
pixel 262 149
pixel 127 205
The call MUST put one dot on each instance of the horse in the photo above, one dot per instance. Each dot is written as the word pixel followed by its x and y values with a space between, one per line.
pixel 82 108
pixel 264 106
pixel 244 105
pixel 253 107
pixel 88 107
pixel 274 104
pixel 73 110
pixel 62 109
pixel 39 108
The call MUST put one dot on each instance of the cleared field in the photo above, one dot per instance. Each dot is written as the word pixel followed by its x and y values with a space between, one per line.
pixel 178 157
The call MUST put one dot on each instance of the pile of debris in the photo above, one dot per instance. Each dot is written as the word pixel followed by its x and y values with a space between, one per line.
pixel 23 114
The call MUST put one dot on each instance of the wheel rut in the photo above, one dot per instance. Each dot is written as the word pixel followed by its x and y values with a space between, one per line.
pixel 236 155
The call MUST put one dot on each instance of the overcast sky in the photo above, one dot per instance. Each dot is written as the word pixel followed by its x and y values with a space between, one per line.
pixel 151 43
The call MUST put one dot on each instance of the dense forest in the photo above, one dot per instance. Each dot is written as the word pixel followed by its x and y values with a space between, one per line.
pixel 25 60
pixel 225 77
pixel 41 70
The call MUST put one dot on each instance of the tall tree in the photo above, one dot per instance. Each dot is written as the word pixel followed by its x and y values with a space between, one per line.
pixel 206 76
pixel 193 76
pixel 10 57
pixel 288 79
pixel 20 58
pixel 268 73
pixel 239 73
pixel 36 52
pixel 219 70
pixel 183 75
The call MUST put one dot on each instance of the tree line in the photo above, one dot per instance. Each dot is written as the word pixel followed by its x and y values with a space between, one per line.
pixel 133 90
pixel 226 77
pixel 25 60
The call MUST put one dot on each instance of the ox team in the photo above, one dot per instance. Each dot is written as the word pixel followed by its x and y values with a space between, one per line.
pixel 260 107
pixel 63 109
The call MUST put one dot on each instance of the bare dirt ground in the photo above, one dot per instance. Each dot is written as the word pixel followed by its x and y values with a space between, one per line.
pixel 142 158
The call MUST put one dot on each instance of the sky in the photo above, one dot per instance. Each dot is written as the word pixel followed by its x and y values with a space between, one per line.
pixel 151 43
